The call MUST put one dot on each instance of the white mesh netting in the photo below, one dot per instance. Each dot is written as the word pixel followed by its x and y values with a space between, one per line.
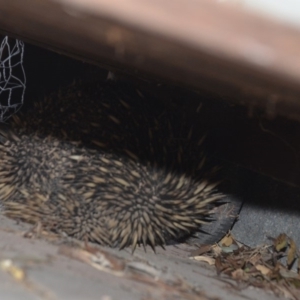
pixel 12 77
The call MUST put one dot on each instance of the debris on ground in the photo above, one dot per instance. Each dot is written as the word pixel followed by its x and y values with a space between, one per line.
pixel 267 266
pixel 17 270
pixel 169 285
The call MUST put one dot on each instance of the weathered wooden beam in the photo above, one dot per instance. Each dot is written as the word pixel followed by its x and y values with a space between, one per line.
pixel 247 58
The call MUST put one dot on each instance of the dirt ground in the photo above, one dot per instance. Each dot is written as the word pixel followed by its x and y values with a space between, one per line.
pixel 33 268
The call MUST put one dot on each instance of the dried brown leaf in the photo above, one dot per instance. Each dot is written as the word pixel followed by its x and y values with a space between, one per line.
pixel 281 242
pixel 216 250
pixel 207 259
pixel 263 269
pixel 255 258
pixel 240 274
pixel 227 240
pixel 292 253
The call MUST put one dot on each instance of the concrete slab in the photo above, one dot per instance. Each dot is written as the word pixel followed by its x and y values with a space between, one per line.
pixel 270 208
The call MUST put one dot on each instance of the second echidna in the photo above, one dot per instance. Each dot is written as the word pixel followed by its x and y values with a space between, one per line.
pixel 109 164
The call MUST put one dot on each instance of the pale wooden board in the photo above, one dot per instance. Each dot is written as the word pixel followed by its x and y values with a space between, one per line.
pixel 248 58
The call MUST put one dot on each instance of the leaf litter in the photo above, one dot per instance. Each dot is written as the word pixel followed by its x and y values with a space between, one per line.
pixel 274 266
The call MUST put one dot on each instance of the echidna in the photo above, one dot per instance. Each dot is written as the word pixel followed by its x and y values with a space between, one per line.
pixel 100 164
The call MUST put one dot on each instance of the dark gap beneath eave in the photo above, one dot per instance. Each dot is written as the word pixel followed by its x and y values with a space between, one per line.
pixel 260 157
